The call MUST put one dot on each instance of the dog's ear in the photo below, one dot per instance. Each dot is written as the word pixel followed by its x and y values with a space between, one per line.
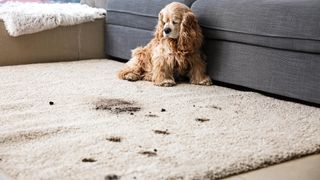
pixel 190 37
pixel 159 28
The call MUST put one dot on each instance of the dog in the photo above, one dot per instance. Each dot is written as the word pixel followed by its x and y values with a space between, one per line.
pixel 173 52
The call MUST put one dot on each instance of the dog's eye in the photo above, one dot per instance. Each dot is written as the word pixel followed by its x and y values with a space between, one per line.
pixel 174 22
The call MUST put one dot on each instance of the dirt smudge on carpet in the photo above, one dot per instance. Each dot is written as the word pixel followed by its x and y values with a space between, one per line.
pixel 29 135
pixel 112 177
pixel 116 106
pixel 90 160
pixel 161 132
pixel 149 153
pixel 152 115
pixel 114 139
pixel 202 119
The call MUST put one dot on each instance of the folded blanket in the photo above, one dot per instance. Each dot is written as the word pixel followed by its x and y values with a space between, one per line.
pixel 26 18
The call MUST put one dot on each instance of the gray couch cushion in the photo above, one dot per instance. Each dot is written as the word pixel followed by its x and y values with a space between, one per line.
pixel 140 14
pixel 284 24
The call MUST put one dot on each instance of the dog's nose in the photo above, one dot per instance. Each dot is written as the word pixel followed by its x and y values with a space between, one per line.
pixel 167 30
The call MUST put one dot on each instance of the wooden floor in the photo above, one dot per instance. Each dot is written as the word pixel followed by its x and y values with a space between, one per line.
pixel 307 168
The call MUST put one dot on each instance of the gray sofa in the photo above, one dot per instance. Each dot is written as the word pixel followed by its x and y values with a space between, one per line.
pixel 267 45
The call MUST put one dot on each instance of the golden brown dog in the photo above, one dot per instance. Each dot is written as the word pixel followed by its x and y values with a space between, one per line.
pixel 174 51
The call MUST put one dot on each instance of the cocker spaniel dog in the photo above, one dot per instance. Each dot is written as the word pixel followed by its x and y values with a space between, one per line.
pixel 173 52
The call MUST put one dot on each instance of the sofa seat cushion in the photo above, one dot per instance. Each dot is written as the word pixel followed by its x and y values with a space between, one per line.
pixel 140 14
pixel 283 24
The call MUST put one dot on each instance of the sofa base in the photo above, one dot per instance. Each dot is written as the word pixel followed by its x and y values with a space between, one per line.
pixel 65 43
pixel 287 73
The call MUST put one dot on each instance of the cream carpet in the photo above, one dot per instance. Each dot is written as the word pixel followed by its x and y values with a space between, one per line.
pixel 99 127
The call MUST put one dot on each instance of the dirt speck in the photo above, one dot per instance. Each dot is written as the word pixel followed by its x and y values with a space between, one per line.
pixel 88 160
pixel 202 119
pixel 114 139
pixel 163 110
pixel 216 107
pixel 148 153
pixel 51 103
pixel 152 115
pixel 175 178
pixel 112 177
pixel 161 132
pixel 117 106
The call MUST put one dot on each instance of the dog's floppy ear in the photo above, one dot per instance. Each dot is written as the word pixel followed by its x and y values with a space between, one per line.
pixel 159 28
pixel 190 37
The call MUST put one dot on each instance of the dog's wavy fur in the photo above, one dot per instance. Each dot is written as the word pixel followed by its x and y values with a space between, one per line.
pixel 163 59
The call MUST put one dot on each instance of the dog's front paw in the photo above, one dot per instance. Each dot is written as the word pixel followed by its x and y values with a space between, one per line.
pixel 205 82
pixel 166 83
pixel 147 77
pixel 130 76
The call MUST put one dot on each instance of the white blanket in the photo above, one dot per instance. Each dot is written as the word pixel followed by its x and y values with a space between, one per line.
pixel 26 18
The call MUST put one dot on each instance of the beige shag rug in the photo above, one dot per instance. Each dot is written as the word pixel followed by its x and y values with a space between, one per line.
pixel 100 127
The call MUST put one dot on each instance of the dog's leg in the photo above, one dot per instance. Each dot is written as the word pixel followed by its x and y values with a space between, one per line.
pixel 132 71
pixel 197 73
pixel 162 72
pixel 134 68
